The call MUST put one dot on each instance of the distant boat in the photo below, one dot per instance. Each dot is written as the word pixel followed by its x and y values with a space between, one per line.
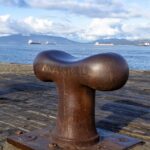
pixel 49 43
pixel 146 44
pixel 46 42
pixel 103 44
pixel 43 43
pixel 33 42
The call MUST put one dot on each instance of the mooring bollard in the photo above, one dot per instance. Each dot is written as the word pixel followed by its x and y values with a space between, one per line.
pixel 77 80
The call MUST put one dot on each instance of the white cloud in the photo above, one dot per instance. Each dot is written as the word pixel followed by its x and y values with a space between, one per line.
pixel 136 30
pixel 101 28
pixel 8 25
pixel 89 19
pixel 90 8
pixel 4 18
pixel 19 3
pixel 34 25
pixel 37 25
pixel 5 21
pixel 97 28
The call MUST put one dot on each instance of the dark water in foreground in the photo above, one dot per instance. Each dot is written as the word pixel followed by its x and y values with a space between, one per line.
pixel 138 57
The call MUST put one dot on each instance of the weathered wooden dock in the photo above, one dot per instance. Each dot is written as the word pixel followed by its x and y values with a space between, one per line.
pixel 27 104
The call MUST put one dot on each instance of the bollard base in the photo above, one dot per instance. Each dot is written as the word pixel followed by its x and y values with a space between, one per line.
pixel 40 140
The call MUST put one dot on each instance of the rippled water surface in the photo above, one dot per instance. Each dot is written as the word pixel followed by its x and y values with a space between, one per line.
pixel 138 57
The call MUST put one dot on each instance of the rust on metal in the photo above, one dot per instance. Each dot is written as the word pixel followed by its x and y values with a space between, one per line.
pixel 19 132
pixel 109 141
pixel 77 80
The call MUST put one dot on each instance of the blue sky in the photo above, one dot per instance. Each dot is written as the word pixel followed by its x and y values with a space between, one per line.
pixel 82 20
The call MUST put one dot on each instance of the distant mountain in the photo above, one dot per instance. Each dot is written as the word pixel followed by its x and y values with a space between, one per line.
pixel 121 41
pixel 22 39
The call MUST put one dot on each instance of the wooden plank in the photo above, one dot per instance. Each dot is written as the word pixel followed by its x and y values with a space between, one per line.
pixel 27 104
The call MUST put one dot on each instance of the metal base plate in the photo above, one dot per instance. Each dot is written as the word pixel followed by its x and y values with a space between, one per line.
pixel 40 140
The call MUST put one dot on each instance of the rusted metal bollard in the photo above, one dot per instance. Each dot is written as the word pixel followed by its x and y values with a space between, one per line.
pixel 77 80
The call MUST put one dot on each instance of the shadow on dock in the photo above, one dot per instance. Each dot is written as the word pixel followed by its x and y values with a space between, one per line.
pixel 123 112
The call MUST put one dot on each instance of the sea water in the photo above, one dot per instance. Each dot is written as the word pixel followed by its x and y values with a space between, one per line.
pixel 138 57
